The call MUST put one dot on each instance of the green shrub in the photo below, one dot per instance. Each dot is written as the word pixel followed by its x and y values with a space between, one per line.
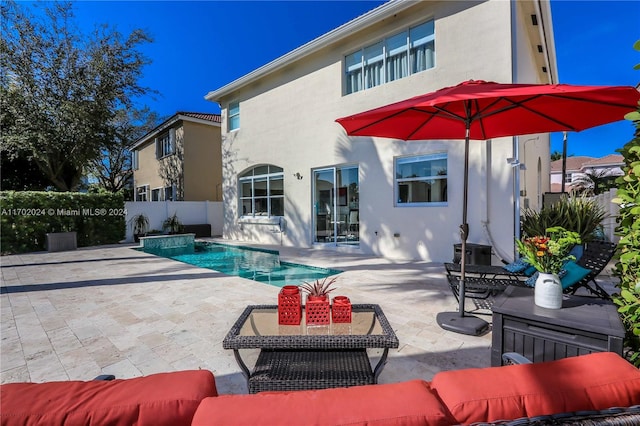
pixel 26 218
pixel 576 214
pixel 628 265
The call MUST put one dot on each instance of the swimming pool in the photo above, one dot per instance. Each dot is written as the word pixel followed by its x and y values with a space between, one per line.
pixel 246 262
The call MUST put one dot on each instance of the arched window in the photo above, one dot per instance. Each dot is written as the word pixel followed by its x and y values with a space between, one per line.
pixel 261 191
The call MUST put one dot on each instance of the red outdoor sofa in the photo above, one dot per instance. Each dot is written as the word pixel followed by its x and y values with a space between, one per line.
pixel 567 390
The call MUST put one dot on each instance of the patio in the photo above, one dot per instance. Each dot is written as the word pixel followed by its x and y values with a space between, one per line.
pixel 113 310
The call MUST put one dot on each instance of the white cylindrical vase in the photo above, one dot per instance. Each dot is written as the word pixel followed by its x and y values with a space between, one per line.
pixel 548 291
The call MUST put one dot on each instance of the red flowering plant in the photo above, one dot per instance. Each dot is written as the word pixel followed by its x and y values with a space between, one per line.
pixel 548 253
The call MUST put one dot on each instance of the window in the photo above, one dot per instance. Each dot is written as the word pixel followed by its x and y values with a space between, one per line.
pixel 234 116
pixel 568 178
pixel 142 193
pixel 165 144
pixel 169 193
pixel 395 57
pixel 262 191
pixel 421 40
pixel 156 194
pixel 134 159
pixel 421 180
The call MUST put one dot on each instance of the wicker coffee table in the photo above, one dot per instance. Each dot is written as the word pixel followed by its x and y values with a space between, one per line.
pixel 296 357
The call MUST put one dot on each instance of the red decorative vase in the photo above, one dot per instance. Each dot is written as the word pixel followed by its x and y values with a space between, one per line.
pixel 289 305
pixel 317 310
pixel 341 309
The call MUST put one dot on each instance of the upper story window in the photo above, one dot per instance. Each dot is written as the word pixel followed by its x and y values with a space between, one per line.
pixel 234 116
pixel 165 144
pixel 135 160
pixel 568 178
pixel 395 57
pixel 261 191
pixel 421 180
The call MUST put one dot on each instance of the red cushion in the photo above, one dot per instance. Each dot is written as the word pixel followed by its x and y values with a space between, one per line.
pixel 407 403
pixel 159 399
pixel 590 382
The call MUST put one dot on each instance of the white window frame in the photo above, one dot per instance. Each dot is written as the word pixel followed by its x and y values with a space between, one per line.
pixel 436 156
pixel 166 144
pixel 234 113
pixel 350 66
pixel 160 191
pixel 249 176
pixel 146 193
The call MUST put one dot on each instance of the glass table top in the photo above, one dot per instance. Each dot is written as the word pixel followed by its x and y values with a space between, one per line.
pixel 264 322
pixel 258 327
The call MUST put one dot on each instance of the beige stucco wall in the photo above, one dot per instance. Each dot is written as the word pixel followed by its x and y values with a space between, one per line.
pixel 288 119
pixel 148 168
pixel 203 162
pixel 202 167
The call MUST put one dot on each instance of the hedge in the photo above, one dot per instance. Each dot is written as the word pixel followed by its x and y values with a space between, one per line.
pixel 26 218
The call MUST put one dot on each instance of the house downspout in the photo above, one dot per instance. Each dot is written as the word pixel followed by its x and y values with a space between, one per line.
pixel 485 223
pixel 516 140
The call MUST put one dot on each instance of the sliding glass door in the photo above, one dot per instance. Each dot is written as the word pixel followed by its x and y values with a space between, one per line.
pixel 336 205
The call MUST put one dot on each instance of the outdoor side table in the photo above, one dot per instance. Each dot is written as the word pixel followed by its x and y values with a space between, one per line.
pixel 296 357
pixel 583 325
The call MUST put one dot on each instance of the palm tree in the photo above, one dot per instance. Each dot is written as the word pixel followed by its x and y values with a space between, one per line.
pixel 593 182
pixel 556 155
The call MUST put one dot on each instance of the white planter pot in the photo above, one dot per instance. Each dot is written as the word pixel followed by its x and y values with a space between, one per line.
pixel 548 291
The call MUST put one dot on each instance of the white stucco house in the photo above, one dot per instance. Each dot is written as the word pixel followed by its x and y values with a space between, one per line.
pixel 293 177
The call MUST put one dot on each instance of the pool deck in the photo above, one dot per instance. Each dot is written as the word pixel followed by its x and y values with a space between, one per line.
pixel 114 310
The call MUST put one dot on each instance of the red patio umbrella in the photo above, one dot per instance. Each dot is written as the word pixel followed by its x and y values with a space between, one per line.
pixel 483 110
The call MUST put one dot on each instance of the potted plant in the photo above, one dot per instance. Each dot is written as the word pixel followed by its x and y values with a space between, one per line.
pixel 577 214
pixel 172 224
pixel 140 225
pixel 317 308
pixel 548 254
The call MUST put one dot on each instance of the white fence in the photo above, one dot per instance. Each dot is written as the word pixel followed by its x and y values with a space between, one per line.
pixel 188 212
pixel 612 210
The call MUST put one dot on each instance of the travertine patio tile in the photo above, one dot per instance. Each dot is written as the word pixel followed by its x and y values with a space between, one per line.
pixel 46 368
pixel 123 368
pixel 16 375
pixel 12 356
pixel 142 322
pixel 85 333
pixel 153 365
pixel 84 372
pixel 36 348
pixel 171 352
pixel 63 340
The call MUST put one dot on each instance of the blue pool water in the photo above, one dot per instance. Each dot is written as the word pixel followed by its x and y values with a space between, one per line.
pixel 254 264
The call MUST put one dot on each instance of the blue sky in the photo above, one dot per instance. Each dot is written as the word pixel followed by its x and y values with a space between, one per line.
pixel 202 45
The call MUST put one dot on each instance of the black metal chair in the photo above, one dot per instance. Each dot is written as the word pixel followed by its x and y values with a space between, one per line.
pixel 596 256
pixel 484 282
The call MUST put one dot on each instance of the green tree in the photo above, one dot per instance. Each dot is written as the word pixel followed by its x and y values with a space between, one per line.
pixel 60 88
pixel 556 155
pixel 19 173
pixel 112 169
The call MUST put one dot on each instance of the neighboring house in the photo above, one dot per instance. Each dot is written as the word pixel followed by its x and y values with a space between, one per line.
pixel 293 177
pixel 180 160
pixel 578 166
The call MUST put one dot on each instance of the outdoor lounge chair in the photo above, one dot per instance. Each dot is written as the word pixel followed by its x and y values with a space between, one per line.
pixel 484 282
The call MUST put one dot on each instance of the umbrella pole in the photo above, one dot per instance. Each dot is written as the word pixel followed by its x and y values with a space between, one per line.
pixel 458 322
